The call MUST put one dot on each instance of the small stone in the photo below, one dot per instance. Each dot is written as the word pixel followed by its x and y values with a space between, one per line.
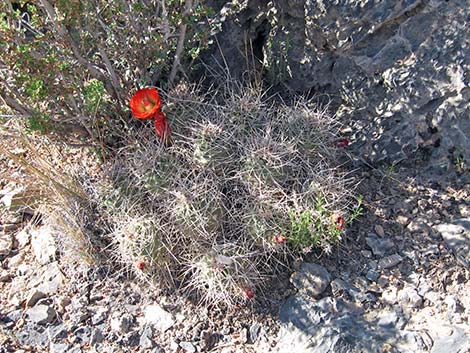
pixel 16 260
pixel 43 244
pixel 419 226
pixel 404 221
pixel 254 332
pixel 366 253
pixel 452 303
pixel 390 296
pixel 33 297
pixel 409 297
pixel 187 347
pixel 83 334
pixel 146 340
pixel 161 319
pixel 121 323
pixel 57 333
pixel 51 279
pixel 389 261
pixel 379 246
pixel 6 244
pixel 96 337
pixel 372 275
pixel 5 276
pixel 41 314
pixel 99 316
pixel 379 230
pixel 387 319
pixel 457 238
pixel 311 279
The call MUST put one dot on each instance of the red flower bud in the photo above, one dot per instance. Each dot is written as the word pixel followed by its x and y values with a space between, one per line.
pixel 161 127
pixel 279 239
pixel 340 223
pixel 249 292
pixel 140 264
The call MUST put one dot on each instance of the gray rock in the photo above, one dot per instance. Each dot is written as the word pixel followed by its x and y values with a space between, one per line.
pixel 409 297
pixel 57 333
pixel 339 286
pixel 159 318
pixel 187 347
pixel 41 314
pixel 372 275
pixel 254 332
pixel 375 60
pixel 75 349
pixel 387 319
pixel 100 315
pixel 32 335
pixel 96 337
pixel 343 333
pixel 83 334
pixel 379 246
pixel 146 340
pixel 457 237
pixel 458 342
pixel 389 261
pixel 311 279
pixel 43 244
pixel 50 279
pixel 6 244
pixel 121 323
pixel 303 313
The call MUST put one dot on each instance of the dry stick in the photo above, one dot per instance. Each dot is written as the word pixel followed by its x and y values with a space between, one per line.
pixel 180 45
pixel 64 34
pixel 14 104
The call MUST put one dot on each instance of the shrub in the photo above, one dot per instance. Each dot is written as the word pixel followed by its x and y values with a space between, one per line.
pixel 71 65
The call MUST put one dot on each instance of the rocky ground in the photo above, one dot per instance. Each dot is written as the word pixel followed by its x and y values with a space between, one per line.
pixel 398 283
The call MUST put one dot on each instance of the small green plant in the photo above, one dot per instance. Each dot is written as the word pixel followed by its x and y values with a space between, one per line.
pixel 357 210
pixel 38 123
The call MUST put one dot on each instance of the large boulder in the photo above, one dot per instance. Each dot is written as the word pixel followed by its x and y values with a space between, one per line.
pixel 397 70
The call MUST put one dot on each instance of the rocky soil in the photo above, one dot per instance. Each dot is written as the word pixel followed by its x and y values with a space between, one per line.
pixel 398 283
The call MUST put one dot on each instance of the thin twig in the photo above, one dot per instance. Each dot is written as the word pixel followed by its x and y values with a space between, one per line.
pixel 180 45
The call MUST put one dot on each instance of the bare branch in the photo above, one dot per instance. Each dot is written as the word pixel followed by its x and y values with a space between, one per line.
pixel 64 34
pixel 180 45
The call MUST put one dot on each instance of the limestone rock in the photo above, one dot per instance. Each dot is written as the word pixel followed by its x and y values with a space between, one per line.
pixel 41 314
pixel 457 237
pixel 311 279
pixel 43 243
pixel 159 318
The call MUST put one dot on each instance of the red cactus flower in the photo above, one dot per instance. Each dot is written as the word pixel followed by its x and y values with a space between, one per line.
pixel 280 239
pixel 340 223
pixel 342 143
pixel 161 127
pixel 248 292
pixel 140 264
pixel 145 103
